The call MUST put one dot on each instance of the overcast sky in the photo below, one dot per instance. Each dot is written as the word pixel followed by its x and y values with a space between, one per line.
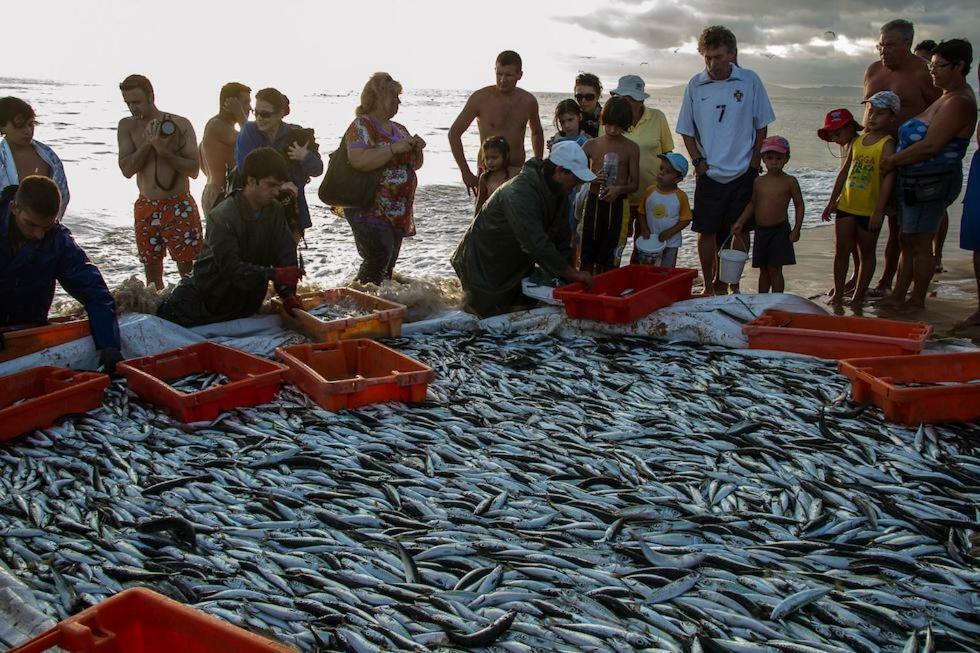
pixel 319 44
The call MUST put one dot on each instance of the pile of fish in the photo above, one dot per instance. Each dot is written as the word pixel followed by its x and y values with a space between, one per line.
pixel 198 381
pixel 551 495
pixel 339 311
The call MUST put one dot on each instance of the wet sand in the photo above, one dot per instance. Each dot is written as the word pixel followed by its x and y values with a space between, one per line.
pixel 952 294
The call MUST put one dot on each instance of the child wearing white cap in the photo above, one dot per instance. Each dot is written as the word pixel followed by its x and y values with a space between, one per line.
pixel 666 208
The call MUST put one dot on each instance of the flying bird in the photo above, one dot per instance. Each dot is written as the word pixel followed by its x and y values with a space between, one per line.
pixel 643 63
pixel 769 55
pixel 830 35
pixel 675 50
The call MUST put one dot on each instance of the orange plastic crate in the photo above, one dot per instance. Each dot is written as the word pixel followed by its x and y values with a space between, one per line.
pixel 27 341
pixel 833 336
pixel 883 382
pixel 652 288
pixel 383 321
pixel 141 621
pixel 354 373
pixel 45 394
pixel 253 380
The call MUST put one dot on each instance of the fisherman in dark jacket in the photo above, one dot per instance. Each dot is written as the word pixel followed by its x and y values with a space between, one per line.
pixel 36 251
pixel 524 222
pixel 248 244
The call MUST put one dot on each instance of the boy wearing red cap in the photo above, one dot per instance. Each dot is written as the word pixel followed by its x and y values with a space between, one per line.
pixel 771 195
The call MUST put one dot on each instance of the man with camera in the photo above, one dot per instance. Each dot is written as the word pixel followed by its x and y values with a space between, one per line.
pixel 248 244
pixel 161 150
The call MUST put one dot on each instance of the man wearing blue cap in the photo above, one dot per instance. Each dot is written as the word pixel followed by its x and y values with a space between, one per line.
pixel 666 208
pixel 525 222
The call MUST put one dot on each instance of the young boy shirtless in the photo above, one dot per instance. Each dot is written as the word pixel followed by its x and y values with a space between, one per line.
pixel 606 214
pixel 771 194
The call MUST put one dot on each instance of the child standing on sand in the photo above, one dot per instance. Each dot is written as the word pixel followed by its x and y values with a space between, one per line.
pixel 667 208
pixel 495 153
pixel 860 196
pixel 568 124
pixel 771 194
pixel 616 160
pixel 840 128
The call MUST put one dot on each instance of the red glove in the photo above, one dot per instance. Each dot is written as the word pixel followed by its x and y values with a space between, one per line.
pixel 287 276
pixel 291 303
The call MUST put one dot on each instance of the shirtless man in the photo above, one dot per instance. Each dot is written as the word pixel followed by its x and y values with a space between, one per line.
pixel 900 71
pixel 161 150
pixel 500 110
pixel 218 142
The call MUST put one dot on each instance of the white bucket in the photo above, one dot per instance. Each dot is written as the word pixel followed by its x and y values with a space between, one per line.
pixel 731 263
pixel 650 250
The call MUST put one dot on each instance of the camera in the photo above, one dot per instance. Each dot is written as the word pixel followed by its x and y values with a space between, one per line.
pixel 167 126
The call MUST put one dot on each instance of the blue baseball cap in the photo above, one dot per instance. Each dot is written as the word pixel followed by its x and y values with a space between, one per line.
pixel 676 161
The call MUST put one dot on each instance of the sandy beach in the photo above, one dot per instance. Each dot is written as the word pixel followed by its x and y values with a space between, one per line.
pixel 952 295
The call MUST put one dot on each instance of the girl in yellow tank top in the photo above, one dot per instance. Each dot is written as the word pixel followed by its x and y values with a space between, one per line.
pixel 859 198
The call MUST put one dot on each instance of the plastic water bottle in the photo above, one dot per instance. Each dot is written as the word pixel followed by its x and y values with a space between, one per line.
pixel 610 165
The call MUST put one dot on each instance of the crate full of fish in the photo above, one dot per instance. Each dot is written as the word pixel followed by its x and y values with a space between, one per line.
pixel 35 398
pixel 835 336
pixel 139 619
pixel 14 344
pixel 627 294
pixel 197 382
pixel 353 373
pixel 343 313
pixel 911 390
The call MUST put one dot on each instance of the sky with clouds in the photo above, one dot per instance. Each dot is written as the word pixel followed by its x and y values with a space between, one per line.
pixel 195 46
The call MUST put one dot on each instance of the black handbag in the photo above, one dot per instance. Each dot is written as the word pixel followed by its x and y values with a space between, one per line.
pixel 345 187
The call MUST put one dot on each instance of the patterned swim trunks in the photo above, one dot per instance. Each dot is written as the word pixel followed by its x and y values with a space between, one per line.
pixel 171 224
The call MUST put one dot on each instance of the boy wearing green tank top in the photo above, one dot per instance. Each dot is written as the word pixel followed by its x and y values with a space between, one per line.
pixel 860 195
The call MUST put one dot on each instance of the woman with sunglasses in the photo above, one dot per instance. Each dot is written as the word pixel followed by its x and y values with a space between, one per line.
pixel 375 141
pixel 269 130
pixel 21 155
pixel 588 90
pixel 929 160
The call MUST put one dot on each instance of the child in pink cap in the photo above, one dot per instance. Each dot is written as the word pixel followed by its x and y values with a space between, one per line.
pixel 771 195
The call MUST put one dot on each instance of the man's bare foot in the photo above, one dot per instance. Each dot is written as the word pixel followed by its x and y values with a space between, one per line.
pixel 879 291
pixel 890 302
pixel 835 300
pixel 856 303
pixel 909 306
pixel 969 322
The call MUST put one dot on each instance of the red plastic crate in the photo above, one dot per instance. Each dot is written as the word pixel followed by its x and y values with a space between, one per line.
pixel 46 393
pixel 882 380
pixel 383 319
pixel 138 620
pixel 253 380
pixel 653 288
pixel 833 336
pixel 353 373
pixel 27 341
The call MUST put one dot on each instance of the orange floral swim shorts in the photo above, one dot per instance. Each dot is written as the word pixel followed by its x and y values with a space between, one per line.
pixel 171 224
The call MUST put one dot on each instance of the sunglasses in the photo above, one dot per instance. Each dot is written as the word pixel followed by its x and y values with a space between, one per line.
pixel 588 97
pixel 936 66
pixel 265 114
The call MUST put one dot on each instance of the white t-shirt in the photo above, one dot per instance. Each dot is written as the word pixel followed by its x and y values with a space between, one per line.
pixel 724 116
pixel 664 210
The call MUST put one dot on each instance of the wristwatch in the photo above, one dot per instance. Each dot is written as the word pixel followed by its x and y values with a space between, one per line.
pixel 698 161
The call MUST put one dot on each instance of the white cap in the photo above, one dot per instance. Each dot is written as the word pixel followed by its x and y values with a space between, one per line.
pixel 569 155
pixel 631 86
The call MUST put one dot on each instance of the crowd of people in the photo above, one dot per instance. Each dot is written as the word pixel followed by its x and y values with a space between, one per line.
pixel 611 171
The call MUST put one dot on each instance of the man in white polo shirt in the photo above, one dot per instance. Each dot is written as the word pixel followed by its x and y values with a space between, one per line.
pixel 723 121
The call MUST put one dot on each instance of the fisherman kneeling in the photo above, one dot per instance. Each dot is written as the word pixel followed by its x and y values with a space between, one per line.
pixel 35 251
pixel 248 244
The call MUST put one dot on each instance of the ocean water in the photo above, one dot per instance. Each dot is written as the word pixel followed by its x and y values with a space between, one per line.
pixel 79 122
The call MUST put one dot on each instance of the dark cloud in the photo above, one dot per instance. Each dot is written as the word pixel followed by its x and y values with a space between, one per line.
pixel 659 29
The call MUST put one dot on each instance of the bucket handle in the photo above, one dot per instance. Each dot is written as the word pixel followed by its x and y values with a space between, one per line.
pixel 729 239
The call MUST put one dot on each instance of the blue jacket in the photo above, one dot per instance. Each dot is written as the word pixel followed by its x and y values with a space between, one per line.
pixel 250 138
pixel 29 269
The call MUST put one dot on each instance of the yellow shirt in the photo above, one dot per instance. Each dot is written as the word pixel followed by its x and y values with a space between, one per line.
pixel 863 185
pixel 652 135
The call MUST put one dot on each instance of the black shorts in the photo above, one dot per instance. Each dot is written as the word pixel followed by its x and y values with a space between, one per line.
pixel 863 221
pixel 772 247
pixel 718 206
pixel 604 232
